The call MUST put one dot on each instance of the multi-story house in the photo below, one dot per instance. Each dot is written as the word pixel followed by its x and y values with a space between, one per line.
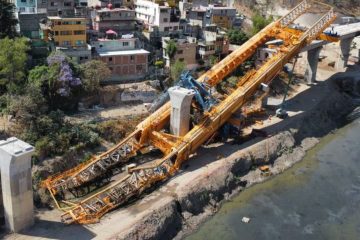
pixel 120 20
pixel 213 43
pixel 64 8
pixel 221 16
pixel 67 35
pixel 101 3
pixel 158 19
pixel 212 14
pixel 25 6
pixel 66 32
pixel 125 60
pixel 185 51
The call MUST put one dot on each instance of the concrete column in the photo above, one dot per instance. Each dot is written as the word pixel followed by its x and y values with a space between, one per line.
pixel 180 99
pixel 266 89
pixel 345 45
pixel 15 164
pixel 312 64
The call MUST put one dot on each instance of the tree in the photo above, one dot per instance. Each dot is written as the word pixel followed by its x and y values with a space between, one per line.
pixel 13 58
pixel 7 19
pixel 58 81
pixel 259 22
pixel 213 60
pixel 176 69
pixel 94 72
pixel 171 49
pixel 237 36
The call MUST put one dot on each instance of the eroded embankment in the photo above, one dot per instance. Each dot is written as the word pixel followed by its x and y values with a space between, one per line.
pixel 191 200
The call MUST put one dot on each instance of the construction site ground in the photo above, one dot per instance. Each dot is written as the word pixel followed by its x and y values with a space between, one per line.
pixel 120 221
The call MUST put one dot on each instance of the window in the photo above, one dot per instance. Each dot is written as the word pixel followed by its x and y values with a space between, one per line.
pixel 181 59
pixel 163 10
pixel 79 32
pixel 110 59
pixel 66 23
pixel 117 5
pixel 110 68
pixel 67 4
pixel 79 42
pixel 44 1
pixel 175 28
pixel 139 68
pixel 23 1
pixel 56 33
pixel 125 44
pixel 132 58
pixel 66 43
pixel 65 33
pixel 56 43
pixel 180 52
pixel 22 9
pixel 165 20
pixel 166 29
pixel 78 23
pixel 53 4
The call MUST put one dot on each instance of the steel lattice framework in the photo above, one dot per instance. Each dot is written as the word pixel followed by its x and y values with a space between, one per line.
pixel 176 150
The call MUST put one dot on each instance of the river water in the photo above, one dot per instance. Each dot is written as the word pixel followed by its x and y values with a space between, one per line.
pixel 318 198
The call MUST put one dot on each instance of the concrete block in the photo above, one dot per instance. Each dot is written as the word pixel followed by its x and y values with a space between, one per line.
pixel 16 183
pixel 180 99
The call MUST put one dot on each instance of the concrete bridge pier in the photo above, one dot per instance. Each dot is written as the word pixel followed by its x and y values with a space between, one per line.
pixel 312 64
pixel 16 183
pixel 345 47
pixel 180 99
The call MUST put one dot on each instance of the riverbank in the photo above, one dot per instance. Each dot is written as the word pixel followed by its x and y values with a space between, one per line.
pixel 318 198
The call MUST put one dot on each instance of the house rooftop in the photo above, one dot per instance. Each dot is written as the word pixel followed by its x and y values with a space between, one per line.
pixel 115 10
pixel 121 53
pixel 65 18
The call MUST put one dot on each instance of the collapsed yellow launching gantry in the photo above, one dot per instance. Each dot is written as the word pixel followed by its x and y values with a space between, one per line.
pixel 175 149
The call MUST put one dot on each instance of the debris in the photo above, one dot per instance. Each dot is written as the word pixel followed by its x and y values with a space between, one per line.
pixel 264 168
pixel 245 220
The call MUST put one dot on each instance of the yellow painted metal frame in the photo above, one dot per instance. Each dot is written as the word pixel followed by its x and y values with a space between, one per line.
pixel 177 150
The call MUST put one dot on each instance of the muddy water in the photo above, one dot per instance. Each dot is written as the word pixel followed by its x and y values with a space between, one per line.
pixel 318 198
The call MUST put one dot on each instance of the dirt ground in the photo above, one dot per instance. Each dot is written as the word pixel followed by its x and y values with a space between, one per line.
pixel 120 223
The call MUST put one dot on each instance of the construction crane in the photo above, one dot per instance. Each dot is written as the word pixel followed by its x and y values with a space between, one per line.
pixel 153 132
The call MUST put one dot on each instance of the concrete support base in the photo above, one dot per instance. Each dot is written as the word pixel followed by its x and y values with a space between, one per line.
pixel 16 183
pixel 312 64
pixel 180 99
pixel 266 89
pixel 345 46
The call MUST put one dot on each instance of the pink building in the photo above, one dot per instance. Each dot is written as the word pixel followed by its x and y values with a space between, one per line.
pixel 125 60
pixel 126 65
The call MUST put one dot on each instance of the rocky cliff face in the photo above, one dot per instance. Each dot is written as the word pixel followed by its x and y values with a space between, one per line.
pixel 348 7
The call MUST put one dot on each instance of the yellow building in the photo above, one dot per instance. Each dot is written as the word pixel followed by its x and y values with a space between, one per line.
pixel 222 21
pixel 66 32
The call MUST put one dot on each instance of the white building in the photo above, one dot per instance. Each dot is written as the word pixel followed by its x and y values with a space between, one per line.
pixel 156 17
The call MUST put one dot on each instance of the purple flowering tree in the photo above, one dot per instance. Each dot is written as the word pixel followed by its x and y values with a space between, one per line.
pixel 66 80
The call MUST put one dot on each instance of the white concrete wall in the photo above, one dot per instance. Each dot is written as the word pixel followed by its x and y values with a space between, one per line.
pixel 16 183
